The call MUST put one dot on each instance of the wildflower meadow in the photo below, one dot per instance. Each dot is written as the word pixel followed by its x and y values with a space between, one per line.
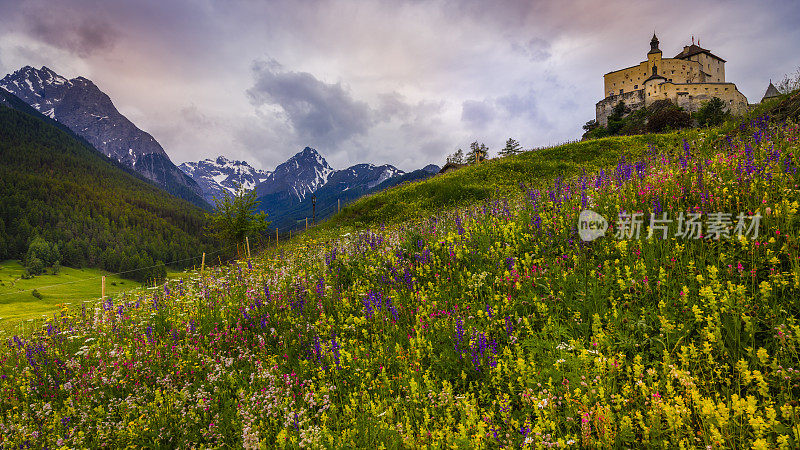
pixel 481 327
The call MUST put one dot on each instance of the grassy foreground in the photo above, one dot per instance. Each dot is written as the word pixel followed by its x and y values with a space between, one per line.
pixel 72 287
pixel 488 326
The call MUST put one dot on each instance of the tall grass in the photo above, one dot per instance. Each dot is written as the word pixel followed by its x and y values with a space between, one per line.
pixel 485 325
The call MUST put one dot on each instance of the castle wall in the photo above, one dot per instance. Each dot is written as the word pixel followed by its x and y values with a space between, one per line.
pixel 680 70
pixel 692 96
pixel 689 96
pixel 627 80
pixel 712 67
pixel 675 70
pixel 633 99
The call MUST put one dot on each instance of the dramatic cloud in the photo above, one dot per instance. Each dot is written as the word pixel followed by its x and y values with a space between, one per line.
pixel 386 81
pixel 320 112
pixel 80 32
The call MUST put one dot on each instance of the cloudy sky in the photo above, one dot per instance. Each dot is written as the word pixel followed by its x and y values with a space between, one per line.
pixel 399 82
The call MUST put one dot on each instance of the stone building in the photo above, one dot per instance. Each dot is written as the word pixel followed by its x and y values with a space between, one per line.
pixel 691 78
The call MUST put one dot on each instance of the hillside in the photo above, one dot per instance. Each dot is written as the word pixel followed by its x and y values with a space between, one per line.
pixel 476 317
pixel 492 179
pixel 99 214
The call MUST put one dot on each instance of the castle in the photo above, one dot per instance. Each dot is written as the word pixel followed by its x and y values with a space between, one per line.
pixel 691 78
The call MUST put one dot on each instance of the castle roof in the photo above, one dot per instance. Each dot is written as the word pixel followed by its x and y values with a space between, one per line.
pixel 772 91
pixel 691 50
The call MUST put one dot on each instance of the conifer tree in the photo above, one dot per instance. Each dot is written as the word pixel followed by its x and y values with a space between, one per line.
pixel 512 148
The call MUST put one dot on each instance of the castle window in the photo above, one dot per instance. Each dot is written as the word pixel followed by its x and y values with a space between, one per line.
pixel 636 86
pixel 620 91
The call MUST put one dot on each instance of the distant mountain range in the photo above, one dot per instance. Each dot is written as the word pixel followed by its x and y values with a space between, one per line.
pixel 90 113
pixel 288 193
pixel 217 177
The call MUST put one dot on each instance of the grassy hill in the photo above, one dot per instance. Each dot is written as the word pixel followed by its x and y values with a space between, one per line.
pixel 473 318
pixel 492 179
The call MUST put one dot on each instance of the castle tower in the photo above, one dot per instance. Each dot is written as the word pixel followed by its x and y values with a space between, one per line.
pixel 654 55
pixel 654 45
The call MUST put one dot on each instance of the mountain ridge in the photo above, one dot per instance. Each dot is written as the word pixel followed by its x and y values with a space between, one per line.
pixel 90 113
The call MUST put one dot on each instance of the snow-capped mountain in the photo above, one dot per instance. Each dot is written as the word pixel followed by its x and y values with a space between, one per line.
pixel 299 176
pixel 304 186
pixel 361 175
pixel 90 113
pixel 220 176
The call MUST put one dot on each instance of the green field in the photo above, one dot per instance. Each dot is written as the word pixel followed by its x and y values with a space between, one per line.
pixel 69 287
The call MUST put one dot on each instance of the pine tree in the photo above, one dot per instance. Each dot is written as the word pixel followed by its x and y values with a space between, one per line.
pixel 512 148
pixel 477 152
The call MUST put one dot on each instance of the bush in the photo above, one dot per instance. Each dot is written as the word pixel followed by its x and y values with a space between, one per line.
pixel 37 294
pixel 596 133
pixel 34 266
pixel 672 118
pixel 712 113
pixel 41 255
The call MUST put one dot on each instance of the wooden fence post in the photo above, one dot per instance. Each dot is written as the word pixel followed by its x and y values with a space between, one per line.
pixel 306 223
pixel 103 287
pixel 338 205
pixel 276 237
pixel 203 264
pixel 247 241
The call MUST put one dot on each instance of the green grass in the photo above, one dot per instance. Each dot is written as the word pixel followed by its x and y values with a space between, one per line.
pixel 18 303
pixel 493 328
pixel 491 179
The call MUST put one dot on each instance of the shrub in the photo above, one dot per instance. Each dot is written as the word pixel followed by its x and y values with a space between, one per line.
pixel 37 294
pixel 34 266
pixel 712 113
pixel 41 255
pixel 672 118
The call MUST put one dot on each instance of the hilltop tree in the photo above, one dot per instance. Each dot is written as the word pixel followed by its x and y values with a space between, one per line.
pixel 457 157
pixel 512 148
pixel 236 217
pixel 790 83
pixel 477 152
